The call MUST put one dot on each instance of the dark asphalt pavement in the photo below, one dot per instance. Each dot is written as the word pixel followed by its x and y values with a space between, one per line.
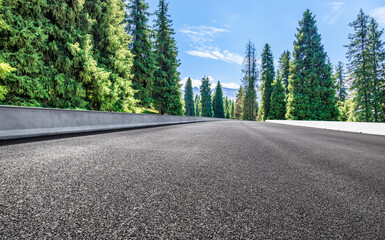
pixel 214 180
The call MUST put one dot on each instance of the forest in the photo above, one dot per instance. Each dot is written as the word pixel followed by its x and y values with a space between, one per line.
pixel 106 55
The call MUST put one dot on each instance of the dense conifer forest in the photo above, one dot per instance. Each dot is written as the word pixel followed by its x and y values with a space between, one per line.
pixel 108 56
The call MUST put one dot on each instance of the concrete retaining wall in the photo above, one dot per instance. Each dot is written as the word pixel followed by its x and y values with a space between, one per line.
pixel 358 127
pixel 22 122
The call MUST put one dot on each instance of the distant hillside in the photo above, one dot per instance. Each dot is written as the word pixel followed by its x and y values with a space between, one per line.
pixel 227 92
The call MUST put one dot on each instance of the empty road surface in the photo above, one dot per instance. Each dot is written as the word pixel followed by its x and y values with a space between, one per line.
pixel 214 180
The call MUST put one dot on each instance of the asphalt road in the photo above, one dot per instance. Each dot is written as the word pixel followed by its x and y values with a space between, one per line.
pixel 215 180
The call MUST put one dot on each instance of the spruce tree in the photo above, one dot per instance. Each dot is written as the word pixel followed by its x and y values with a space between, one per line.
pixel 267 78
pixel 197 103
pixel 311 87
pixel 340 79
pixel 205 90
pixel 189 99
pixel 232 111
pixel 249 80
pixel 144 60
pixel 112 52
pixel 359 67
pixel 238 113
pixel 284 68
pixel 277 102
pixel 377 69
pixel 166 93
pixel 218 107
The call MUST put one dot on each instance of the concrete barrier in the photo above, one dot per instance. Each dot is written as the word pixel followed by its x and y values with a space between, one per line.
pixel 357 127
pixel 22 122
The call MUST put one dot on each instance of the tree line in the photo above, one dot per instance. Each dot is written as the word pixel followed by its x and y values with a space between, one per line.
pixel 305 87
pixel 95 55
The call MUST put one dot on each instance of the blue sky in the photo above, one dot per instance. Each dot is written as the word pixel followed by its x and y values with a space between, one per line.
pixel 211 35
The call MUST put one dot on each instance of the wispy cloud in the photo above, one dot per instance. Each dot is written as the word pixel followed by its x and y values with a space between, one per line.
pixel 336 9
pixel 379 15
pixel 217 54
pixel 202 38
pixel 202 34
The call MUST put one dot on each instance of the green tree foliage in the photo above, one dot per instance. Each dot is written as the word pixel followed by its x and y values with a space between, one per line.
pixel 377 69
pixel 284 68
pixel 197 103
pixel 232 110
pixel 267 78
pixel 238 113
pixel 249 80
pixel 218 107
pixel 340 79
pixel 112 52
pixel 205 90
pixel 166 93
pixel 277 102
pixel 189 99
pixel 144 60
pixel 311 87
pixel 22 43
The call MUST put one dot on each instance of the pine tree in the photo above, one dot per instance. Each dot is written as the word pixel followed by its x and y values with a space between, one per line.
pixel 218 108
pixel 239 104
pixel 377 68
pixel 144 60
pixel 249 81
pixel 311 87
pixel 267 78
pixel 189 99
pixel 205 90
pixel 284 68
pixel 340 79
pixel 112 52
pixel 166 93
pixel 277 102
pixel 232 111
pixel 359 67
pixel 197 105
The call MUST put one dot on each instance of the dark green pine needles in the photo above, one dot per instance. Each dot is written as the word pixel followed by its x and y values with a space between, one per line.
pixel 205 90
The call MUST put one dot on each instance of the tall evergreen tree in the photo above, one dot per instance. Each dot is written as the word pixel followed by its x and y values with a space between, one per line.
pixel 205 90
pixel 167 95
pixel 189 99
pixel 284 68
pixel 232 111
pixel 277 103
pixel 267 78
pixel 250 81
pixel 359 67
pixel 340 79
pixel 218 108
pixel 112 52
pixel 377 68
pixel 311 87
pixel 144 60
pixel 197 103
pixel 239 103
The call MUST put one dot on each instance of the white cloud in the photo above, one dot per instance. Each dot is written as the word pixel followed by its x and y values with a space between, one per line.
pixel 217 54
pixel 201 34
pixel 379 15
pixel 336 9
